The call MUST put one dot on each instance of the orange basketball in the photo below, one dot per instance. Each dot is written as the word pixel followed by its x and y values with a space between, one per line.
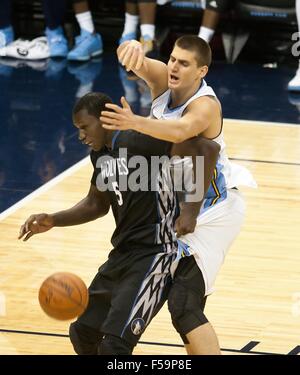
pixel 63 296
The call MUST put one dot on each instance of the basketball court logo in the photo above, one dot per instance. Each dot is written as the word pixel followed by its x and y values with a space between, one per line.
pixel 137 326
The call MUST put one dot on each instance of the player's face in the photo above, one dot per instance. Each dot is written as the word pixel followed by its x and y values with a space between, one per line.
pixel 183 70
pixel 91 132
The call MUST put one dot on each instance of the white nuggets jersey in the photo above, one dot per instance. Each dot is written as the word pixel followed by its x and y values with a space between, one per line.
pixel 227 174
pixel 223 209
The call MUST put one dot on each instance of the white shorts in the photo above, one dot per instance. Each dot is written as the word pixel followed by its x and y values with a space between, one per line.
pixel 215 231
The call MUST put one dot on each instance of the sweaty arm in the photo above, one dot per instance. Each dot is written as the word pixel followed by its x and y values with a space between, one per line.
pixel 197 146
pixel 94 205
pixel 199 115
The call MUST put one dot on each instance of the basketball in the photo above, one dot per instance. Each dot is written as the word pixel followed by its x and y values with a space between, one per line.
pixel 63 296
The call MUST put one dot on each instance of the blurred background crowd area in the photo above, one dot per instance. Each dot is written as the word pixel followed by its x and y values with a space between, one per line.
pixel 252 30
pixel 254 61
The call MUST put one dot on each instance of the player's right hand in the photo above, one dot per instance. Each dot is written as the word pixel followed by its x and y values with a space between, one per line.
pixel 184 224
pixel 131 55
pixel 35 224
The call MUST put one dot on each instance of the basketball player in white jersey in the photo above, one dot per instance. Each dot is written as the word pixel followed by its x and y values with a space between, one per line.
pixel 185 106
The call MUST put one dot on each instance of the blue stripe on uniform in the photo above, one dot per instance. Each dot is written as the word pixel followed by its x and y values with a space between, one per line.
pixel 217 191
pixel 113 141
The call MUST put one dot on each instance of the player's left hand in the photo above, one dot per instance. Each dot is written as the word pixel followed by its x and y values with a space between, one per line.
pixel 132 56
pixel 185 224
pixel 120 118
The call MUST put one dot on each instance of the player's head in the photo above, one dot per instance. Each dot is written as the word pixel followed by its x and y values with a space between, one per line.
pixel 189 61
pixel 86 113
pixel 199 46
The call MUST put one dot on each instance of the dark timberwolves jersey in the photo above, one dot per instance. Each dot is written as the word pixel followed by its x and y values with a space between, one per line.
pixel 136 174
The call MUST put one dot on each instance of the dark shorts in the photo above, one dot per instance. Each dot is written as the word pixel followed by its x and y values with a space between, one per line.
pixel 189 275
pixel 128 291
pixel 220 5
pixel 187 297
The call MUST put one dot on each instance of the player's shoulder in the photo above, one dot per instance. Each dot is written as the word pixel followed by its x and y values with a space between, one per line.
pixel 204 104
pixel 141 144
pixel 207 99
pixel 94 155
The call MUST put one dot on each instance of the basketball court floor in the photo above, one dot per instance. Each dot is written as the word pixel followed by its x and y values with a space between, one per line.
pixel 43 168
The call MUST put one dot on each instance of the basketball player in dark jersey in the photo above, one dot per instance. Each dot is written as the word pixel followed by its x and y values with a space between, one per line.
pixel 132 285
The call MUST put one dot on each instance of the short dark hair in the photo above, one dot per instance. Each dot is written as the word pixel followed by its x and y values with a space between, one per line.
pixel 93 102
pixel 199 46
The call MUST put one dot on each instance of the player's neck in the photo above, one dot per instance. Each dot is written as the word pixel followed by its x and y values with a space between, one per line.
pixel 179 97
pixel 108 138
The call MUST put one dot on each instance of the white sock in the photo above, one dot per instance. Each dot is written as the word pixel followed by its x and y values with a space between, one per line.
pixel 148 29
pixel 85 21
pixel 131 23
pixel 206 33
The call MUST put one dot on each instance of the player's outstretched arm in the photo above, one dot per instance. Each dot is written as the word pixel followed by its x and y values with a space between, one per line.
pixel 122 118
pixel 198 146
pixel 93 206
pixel 153 72
pixel 199 116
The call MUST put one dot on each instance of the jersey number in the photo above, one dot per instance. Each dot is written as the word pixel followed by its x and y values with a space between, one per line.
pixel 117 192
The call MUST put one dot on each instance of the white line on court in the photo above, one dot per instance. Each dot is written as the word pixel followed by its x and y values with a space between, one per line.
pixel 262 123
pixel 48 185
